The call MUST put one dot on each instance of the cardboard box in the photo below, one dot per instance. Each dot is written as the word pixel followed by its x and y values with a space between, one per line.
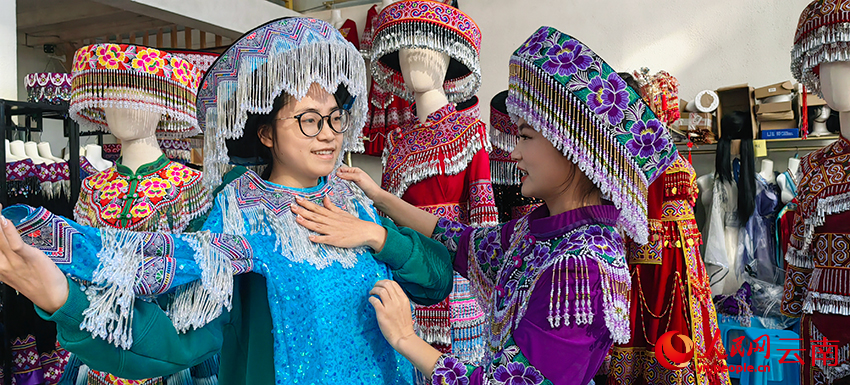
pixel 779 125
pixel 774 107
pixel 788 133
pixel 783 88
pixel 771 116
pixel 736 98
pixel 814 100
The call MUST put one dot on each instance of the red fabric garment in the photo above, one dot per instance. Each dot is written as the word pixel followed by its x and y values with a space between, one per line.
pixel 349 32
pixel 670 289
pixel 822 331
pixel 387 114
pixel 369 32
pixel 442 166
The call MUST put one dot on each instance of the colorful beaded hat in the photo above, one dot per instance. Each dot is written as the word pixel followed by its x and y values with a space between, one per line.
pixel 130 76
pixel 823 36
pixel 431 25
pixel 504 135
pixel 579 103
pixel 202 60
pixel 287 56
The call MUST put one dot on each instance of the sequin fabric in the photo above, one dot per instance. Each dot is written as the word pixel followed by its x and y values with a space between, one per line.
pixel 316 300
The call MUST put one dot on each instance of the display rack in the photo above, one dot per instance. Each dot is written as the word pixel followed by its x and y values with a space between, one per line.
pixel 774 145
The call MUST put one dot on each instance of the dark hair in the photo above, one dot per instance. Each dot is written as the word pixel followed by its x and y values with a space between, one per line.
pixel 738 125
pixel 248 149
pixel 631 82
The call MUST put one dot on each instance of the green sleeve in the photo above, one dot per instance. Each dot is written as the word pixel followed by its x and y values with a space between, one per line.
pixel 158 350
pixel 197 224
pixel 420 265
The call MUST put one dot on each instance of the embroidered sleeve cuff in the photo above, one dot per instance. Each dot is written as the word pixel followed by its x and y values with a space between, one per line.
pixel 397 247
pixel 69 317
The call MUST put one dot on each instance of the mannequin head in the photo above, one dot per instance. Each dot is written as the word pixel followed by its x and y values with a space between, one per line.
pixel 128 124
pixel 823 114
pixel 423 69
pixel 835 84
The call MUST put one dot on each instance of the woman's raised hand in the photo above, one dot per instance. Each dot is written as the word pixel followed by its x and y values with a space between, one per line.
pixel 362 179
pixel 29 271
pixel 337 227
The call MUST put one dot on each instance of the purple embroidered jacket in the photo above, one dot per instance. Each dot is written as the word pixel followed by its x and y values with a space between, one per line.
pixel 554 289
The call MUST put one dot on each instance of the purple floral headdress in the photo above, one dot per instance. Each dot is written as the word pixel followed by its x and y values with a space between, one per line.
pixel 579 103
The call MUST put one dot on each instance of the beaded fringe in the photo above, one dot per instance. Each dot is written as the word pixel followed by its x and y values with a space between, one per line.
pixel 111 294
pixel 110 312
pixel 291 239
pixel 260 79
pixel 502 140
pixel 200 302
pixel 94 90
pixel 504 173
pixel 446 159
pixel 833 204
pixel 827 44
pixel 577 132
pixel 428 36
pixel 842 357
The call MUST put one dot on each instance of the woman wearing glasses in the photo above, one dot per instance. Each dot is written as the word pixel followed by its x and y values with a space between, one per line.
pixel 290 95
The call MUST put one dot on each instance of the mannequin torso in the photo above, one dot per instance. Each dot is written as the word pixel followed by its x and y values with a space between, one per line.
pixel 94 154
pixel 766 171
pixel 17 149
pixel 9 156
pixel 31 149
pixel 45 152
pixel 787 181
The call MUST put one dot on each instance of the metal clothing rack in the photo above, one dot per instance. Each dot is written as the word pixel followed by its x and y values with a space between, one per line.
pixel 773 145
pixel 34 113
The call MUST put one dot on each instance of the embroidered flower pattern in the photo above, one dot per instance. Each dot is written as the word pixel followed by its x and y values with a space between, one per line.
pixel 177 174
pixel 535 43
pixel 489 249
pixel 566 59
pixel 450 371
pixel 608 97
pixel 451 232
pixel 110 56
pixel 141 210
pixel 155 187
pixel 648 138
pixel 516 373
pixel 102 179
pixel 183 72
pixel 82 58
pixel 595 238
pixel 114 190
pixel 111 211
pixel 149 60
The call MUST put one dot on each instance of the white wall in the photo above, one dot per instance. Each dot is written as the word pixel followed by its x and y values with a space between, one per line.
pixel 704 44
pixel 8 46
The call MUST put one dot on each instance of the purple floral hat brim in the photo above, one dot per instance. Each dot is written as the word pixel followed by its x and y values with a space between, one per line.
pixel 579 103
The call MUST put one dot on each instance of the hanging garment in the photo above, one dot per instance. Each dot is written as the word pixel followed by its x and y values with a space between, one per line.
pixel 757 242
pixel 721 238
pixel 817 279
pixel 387 114
pixel 670 290
pixel 442 166
pixel 349 32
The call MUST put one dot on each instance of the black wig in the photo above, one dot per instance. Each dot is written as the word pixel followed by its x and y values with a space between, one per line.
pixel 738 125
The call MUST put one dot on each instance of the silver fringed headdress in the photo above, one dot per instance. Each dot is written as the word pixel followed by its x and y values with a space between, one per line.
pixel 823 36
pixel 579 103
pixel 283 56
pixel 435 26
pixel 504 135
